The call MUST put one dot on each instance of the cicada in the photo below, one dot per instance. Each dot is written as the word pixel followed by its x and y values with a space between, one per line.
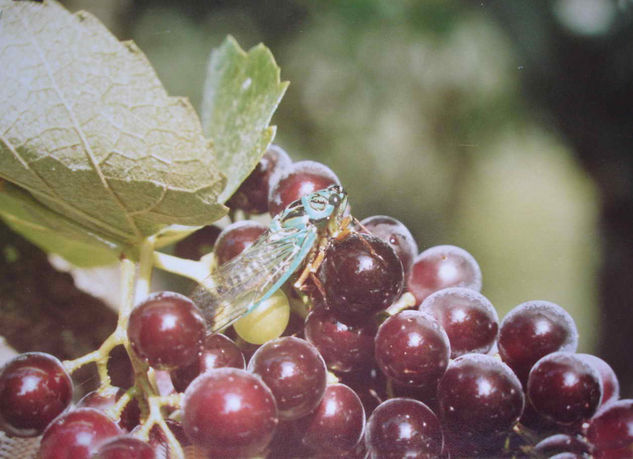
pixel 295 238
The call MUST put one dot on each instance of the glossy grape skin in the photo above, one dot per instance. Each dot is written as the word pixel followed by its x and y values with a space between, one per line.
pixel 361 275
pixel 235 238
pixel 197 244
pixel 218 351
pixel 230 409
pixel 394 233
pixel 338 422
pixel 34 389
pixel 441 267
pixel 131 415
pixel 467 317
pixel 560 443
pixel 412 348
pixel 166 329
pixel 610 383
pixel 124 447
pixel 77 434
pixel 297 180
pixel 252 195
pixel 294 371
pixel 532 330
pixel 612 426
pixel 403 427
pixel 564 388
pixel 344 348
pixel 478 394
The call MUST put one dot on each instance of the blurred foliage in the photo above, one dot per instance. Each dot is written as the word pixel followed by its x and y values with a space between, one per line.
pixel 417 107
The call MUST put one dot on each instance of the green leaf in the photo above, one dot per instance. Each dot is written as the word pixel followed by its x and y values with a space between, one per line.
pixel 52 232
pixel 88 130
pixel 241 93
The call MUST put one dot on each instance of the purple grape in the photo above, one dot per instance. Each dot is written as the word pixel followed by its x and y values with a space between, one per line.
pixel 77 434
pixel 235 238
pixel 403 427
pixel 412 348
pixel 295 372
pixel 297 180
pixel 361 275
pixel 337 424
pixel 469 319
pixel 344 347
pixel 34 389
pixel 218 351
pixel 166 329
pixel 370 384
pixel 564 388
pixel 441 267
pixel 124 447
pixel 252 195
pixel 611 427
pixel 131 415
pixel 394 233
pixel 229 410
pixel 561 443
pixel 610 383
pixel 479 394
pixel 532 330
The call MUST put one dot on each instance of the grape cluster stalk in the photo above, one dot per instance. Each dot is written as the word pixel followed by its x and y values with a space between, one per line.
pixel 382 352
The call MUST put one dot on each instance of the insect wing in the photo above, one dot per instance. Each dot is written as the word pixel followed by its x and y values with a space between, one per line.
pixel 246 279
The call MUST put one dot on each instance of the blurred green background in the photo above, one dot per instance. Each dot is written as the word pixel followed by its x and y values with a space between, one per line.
pixel 495 126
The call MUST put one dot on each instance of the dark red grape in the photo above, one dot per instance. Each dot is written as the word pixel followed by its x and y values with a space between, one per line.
pixel 131 415
pixel 532 330
pixel 403 427
pixel 469 319
pixel 612 426
pixel 297 180
pixel 361 275
pixel 217 351
pixel 34 389
pixel 235 238
pixel 344 347
pixel 77 434
pixel 441 267
pixel 370 384
pixel 166 329
pixel 412 348
pixel 252 195
pixel 337 424
pixel 229 409
pixel 394 233
pixel 124 447
pixel 564 388
pixel 561 443
pixel 620 453
pixel 198 243
pixel 294 371
pixel 474 444
pixel 479 394
pixel 610 383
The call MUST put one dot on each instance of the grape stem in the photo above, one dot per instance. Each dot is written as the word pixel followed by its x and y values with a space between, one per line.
pixel 195 270
pixel 156 418
pixel 406 301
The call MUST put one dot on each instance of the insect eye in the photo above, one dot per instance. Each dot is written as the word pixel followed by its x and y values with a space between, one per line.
pixel 334 200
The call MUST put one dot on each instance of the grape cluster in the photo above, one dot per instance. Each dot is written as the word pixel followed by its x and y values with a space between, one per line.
pixel 383 353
